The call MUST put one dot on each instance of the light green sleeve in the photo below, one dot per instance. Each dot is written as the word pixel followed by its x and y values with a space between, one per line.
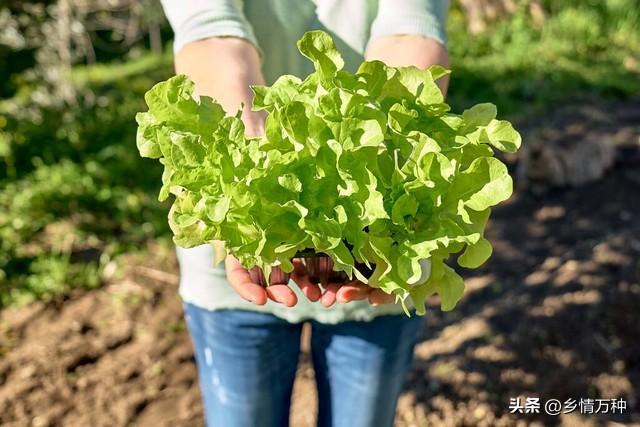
pixel 193 20
pixel 422 17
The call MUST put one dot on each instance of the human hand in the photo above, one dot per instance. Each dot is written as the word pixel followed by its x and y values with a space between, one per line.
pixel 353 291
pixel 338 288
pixel 241 282
pixel 356 290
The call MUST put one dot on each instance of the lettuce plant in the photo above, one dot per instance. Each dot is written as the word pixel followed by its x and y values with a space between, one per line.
pixel 370 168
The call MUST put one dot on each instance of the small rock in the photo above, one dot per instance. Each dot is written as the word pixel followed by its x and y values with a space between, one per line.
pixel 27 372
pixel 39 421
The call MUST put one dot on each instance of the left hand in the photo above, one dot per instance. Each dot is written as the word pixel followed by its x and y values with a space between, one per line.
pixel 354 291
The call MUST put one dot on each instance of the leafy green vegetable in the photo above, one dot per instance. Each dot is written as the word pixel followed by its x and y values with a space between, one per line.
pixel 367 167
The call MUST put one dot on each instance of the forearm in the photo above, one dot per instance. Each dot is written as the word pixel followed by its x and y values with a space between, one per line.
pixel 405 50
pixel 224 68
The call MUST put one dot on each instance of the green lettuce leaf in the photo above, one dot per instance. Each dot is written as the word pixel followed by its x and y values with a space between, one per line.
pixel 368 167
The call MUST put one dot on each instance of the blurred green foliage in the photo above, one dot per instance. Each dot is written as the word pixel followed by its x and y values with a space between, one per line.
pixel 584 48
pixel 74 194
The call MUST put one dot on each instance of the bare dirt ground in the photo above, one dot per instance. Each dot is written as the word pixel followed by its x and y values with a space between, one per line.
pixel 554 314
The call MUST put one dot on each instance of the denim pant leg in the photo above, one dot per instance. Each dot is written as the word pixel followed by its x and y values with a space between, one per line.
pixel 360 369
pixel 246 366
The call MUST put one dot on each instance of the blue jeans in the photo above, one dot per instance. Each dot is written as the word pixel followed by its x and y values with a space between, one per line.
pixel 247 364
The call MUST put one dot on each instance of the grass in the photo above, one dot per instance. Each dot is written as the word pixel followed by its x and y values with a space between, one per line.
pixel 583 49
pixel 104 74
pixel 75 194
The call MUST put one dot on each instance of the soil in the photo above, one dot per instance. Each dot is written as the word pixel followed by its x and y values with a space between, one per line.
pixel 554 314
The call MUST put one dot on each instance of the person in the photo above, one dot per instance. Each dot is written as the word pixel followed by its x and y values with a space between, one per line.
pixel 246 337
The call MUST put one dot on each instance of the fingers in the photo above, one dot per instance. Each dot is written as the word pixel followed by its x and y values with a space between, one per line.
pixel 300 276
pixel 329 296
pixel 355 291
pixel 352 291
pixel 378 296
pixel 282 294
pixel 241 282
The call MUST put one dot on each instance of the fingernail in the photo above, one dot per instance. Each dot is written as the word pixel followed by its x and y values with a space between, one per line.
pixel 327 301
